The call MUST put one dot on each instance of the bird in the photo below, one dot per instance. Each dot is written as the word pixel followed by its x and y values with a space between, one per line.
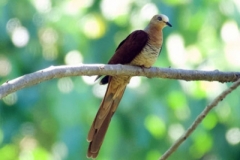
pixel 140 48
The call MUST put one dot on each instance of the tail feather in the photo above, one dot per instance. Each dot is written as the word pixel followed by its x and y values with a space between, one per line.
pixel 101 122
pixel 97 141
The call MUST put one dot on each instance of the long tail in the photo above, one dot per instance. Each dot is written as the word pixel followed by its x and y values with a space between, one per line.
pixel 107 108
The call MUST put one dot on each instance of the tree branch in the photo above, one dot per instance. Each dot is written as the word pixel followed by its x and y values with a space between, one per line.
pixel 100 69
pixel 199 119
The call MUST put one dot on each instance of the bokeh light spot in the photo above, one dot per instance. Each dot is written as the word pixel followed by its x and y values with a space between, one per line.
pixel 203 142
pixel 211 89
pixel 112 9
pixel 89 79
pixel 223 112
pixel 134 82
pixel 50 53
pixel 99 90
pixel 155 126
pixel 60 150
pixel 230 31
pixel 65 85
pixel 237 4
pixel 210 121
pixel 233 136
pixel 48 36
pixel 28 143
pixel 153 154
pixel 194 56
pixel 231 36
pixel 48 39
pixel 43 6
pixel 94 27
pixel 20 36
pixel 5 66
pixel 176 50
pixel 176 99
pixel 175 131
pixel 9 151
pixel 72 7
pixel 12 24
pixel 73 57
pixel 226 7
pixel 182 113
pixel 232 54
pixel 148 11
pixel 10 99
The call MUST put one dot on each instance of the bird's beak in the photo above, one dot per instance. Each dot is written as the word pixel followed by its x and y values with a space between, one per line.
pixel 167 23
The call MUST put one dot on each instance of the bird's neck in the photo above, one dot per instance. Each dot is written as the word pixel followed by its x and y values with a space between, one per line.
pixel 155 35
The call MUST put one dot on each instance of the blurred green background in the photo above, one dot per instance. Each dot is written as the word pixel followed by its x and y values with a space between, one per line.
pixel 50 121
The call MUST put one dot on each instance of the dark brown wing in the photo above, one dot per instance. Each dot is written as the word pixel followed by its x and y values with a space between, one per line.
pixel 128 49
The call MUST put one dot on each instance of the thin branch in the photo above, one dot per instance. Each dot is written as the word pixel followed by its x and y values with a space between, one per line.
pixel 199 119
pixel 100 69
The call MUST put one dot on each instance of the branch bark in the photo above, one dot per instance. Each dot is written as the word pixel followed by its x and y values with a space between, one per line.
pixel 101 69
pixel 199 119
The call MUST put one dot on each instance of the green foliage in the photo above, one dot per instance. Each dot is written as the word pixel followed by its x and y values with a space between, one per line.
pixel 51 120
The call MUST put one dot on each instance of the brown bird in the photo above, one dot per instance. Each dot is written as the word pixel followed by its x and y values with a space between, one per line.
pixel 140 48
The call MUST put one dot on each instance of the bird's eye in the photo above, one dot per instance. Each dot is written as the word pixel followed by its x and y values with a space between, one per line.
pixel 159 18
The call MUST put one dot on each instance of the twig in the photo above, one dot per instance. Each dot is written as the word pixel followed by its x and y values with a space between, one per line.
pixel 199 119
pixel 100 69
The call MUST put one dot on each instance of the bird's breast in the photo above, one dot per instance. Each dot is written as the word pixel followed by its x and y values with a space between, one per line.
pixel 147 56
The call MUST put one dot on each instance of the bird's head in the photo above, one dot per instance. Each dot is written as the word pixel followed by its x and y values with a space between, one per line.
pixel 160 21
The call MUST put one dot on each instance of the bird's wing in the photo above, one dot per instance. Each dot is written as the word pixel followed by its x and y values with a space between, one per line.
pixel 128 49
